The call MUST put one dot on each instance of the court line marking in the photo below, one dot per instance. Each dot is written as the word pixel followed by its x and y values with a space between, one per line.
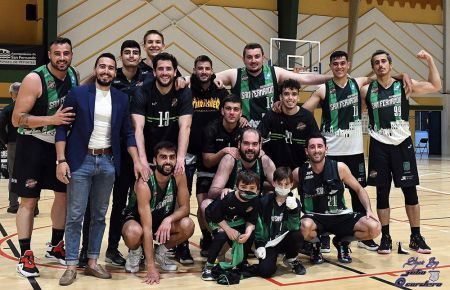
pixel 12 247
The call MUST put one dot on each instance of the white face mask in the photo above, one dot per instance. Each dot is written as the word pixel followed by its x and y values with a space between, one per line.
pixel 282 191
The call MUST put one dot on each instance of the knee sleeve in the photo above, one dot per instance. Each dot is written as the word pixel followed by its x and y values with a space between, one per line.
pixel 383 197
pixel 410 194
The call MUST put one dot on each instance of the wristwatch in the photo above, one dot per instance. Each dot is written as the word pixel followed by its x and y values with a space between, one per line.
pixel 60 161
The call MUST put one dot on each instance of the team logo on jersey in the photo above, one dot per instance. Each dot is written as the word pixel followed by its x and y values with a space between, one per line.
pixel 51 84
pixel 301 126
pixel 30 183
pixel 139 84
pixel 373 174
pixel 244 78
pixel 174 102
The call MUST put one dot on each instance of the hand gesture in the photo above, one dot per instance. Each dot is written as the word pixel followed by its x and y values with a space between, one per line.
pixel 224 192
pixel 180 83
pixel 243 122
pixel 260 253
pixel 63 116
pixel 232 234
pixel 179 167
pixel 423 55
pixel 152 276
pixel 276 107
pixel 291 202
pixel 163 232
pixel 63 172
pixel 218 83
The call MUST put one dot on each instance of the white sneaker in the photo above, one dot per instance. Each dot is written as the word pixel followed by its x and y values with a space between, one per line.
pixel 133 260
pixel 164 262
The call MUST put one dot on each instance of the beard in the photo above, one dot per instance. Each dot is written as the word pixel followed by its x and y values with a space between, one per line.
pixel 163 84
pixel 57 67
pixel 161 170
pixel 321 158
pixel 244 156
pixel 103 83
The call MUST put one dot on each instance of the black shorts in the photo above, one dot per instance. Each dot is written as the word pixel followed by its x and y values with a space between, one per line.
pixel 387 162
pixel 203 184
pixel 356 165
pixel 340 225
pixel 35 167
pixel 134 215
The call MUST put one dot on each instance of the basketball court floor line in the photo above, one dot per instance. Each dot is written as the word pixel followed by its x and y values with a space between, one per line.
pixel 12 247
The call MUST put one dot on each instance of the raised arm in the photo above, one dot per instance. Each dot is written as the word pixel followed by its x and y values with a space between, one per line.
pixel 227 77
pixel 433 84
pixel 314 100
pixel 303 79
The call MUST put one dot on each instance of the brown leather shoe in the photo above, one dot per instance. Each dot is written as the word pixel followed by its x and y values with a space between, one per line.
pixel 68 277
pixel 98 272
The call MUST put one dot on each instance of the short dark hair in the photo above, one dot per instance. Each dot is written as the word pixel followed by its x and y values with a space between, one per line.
pixel 107 55
pixel 289 84
pixel 247 177
pixel 316 135
pixel 252 45
pixel 165 56
pixel 378 52
pixel 153 31
pixel 164 145
pixel 130 44
pixel 282 173
pixel 60 40
pixel 338 54
pixel 202 58
pixel 250 129
pixel 232 98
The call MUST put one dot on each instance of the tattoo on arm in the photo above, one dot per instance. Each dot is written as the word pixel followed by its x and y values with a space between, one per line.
pixel 23 120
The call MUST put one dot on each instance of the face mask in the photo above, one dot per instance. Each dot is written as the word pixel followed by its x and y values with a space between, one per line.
pixel 282 191
pixel 247 195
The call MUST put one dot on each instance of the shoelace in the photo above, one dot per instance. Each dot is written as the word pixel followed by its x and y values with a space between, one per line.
pixel 135 258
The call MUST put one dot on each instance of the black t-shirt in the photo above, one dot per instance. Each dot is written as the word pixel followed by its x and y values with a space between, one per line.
pixel 287 136
pixel 121 82
pixel 161 113
pixel 215 138
pixel 206 105
pixel 230 208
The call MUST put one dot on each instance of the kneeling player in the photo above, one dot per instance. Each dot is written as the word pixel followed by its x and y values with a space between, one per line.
pixel 232 219
pixel 278 227
pixel 151 214
pixel 321 189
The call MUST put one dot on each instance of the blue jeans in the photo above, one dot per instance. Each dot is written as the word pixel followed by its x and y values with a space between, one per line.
pixel 94 181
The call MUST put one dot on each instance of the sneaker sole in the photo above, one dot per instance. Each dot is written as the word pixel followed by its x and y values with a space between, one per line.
pixel 186 262
pixel 54 259
pixel 421 251
pixel 208 279
pixel 108 260
pixel 131 271
pixel 364 246
pixel 326 251
pixel 384 252
pixel 26 274
pixel 171 269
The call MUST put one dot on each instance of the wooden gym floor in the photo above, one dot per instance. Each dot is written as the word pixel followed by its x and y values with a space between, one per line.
pixel 368 270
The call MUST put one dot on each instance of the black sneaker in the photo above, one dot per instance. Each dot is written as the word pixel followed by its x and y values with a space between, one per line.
pixel 183 254
pixel 343 250
pixel 207 273
pixel 82 258
pixel 56 253
pixel 205 243
pixel 296 266
pixel 26 266
pixel 417 243
pixel 385 245
pixel 316 256
pixel 368 245
pixel 306 249
pixel 325 244
pixel 115 257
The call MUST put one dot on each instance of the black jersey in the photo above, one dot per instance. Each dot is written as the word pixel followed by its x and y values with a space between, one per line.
pixel 238 166
pixel 257 93
pixel 147 71
pixel 388 113
pixel 285 136
pixel 321 193
pixel 129 87
pixel 231 209
pixel 206 105
pixel 215 138
pixel 161 113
